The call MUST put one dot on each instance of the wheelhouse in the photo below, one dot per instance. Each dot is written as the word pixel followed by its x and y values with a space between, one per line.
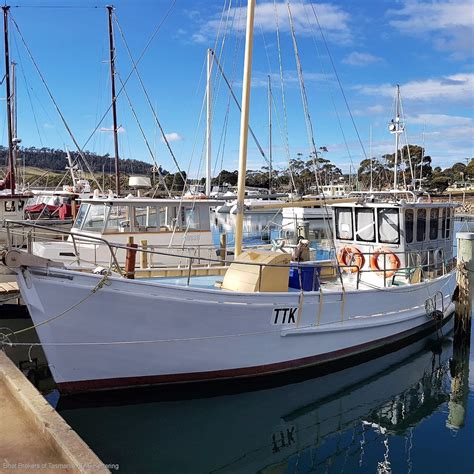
pixel 138 215
pixel 414 234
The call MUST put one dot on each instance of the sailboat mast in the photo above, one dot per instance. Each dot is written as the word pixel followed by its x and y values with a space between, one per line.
pixel 110 10
pixel 397 136
pixel 11 163
pixel 208 122
pixel 270 171
pixel 244 125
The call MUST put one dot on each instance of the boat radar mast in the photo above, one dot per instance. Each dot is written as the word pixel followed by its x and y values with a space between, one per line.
pixel 396 127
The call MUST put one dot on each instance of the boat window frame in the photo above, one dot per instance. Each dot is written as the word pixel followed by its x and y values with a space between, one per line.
pixel 9 205
pixel 397 211
pixel 111 205
pixel 443 222
pixel 449 219
pixel 418 210
pixel 356 230
pixel 106 207
pixel 412 211
pixel 86 206
pixel 433 224
pixel 336 221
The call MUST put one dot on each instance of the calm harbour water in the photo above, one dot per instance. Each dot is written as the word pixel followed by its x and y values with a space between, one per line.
pixel 408 411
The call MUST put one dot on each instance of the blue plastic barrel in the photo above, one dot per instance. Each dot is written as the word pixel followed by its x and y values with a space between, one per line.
pixel 309 276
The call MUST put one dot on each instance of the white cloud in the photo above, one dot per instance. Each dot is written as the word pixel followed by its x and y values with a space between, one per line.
pixel 441 120
pixel 360 59
pixel 172 137
pixel 334 20
pixel 448 23
pixel 290 78
pixel 456 87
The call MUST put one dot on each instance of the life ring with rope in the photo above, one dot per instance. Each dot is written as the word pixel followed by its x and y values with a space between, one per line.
pixel 393 261
pixel 351 258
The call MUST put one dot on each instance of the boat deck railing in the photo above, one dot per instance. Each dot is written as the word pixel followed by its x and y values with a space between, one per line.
pixel 195 264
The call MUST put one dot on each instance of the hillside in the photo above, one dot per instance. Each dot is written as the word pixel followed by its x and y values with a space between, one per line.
pixel 56 160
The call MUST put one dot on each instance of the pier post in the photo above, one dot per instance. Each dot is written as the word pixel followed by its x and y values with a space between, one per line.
pixel 130 259
pixel 223 247
pixel 465 281
pixel 144 255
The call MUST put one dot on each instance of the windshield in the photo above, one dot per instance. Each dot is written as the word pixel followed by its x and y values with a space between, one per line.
pixel 95 218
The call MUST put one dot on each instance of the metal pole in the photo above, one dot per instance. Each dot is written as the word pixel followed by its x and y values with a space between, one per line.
pixel 110 10
pixel 244 121
pixel 11 163
pixel 208 122
pixel 270 171
pixel 397 126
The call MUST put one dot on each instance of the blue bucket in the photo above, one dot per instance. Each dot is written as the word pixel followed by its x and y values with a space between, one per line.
pixel 309 276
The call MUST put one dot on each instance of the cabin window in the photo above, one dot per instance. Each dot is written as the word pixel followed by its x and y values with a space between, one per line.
pixel 443 223
pixel 434 217
pixel 344 223
pixel 420 225
pixel 389 226
pixel 409 222
pixel 96 217
pixel 9 206
pixel 80 215
pixel 145 217
pixel 448 223
pixel 365 225
pixel 190 218
pixel 119 220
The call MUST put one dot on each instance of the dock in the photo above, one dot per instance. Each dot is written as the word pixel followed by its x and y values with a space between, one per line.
pixel 9 290
pixel 34 437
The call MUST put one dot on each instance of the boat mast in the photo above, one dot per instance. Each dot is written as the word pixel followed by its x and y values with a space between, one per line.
pixel 110 10
pixel 371 159
pixel 270 171
pixel 11 163
pixel 208 122
pixel 244 125
pixel 396 128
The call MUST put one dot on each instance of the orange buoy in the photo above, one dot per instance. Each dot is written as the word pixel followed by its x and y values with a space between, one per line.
pixel 352 258
pixel 393 260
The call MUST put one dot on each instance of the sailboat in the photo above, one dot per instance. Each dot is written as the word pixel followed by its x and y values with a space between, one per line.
pixel 260 314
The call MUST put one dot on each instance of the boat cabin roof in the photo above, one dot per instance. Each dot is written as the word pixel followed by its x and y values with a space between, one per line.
pixel 140 201
pixel 45 192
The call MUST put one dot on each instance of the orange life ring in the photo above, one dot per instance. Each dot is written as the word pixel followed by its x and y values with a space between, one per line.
pixel 393 260
pixel 351 256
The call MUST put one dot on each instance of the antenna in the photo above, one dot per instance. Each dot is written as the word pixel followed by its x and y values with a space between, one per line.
pixel 396 127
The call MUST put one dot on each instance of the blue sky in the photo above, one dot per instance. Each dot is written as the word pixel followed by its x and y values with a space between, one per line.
pixel 427 47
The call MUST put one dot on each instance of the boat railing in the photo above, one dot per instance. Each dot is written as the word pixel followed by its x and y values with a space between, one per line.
pixel 422 260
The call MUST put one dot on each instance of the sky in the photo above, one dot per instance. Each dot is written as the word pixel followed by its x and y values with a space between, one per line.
pixel 352 55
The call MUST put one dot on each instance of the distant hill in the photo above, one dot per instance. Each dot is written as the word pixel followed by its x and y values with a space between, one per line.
pixel 56 160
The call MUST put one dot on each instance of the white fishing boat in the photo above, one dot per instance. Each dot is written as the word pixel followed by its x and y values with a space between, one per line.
pixel 258 315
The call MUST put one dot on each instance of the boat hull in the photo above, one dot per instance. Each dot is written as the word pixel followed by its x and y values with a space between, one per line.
pixel 154 333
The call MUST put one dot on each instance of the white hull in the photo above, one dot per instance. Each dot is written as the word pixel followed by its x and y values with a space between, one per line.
pixel 138 332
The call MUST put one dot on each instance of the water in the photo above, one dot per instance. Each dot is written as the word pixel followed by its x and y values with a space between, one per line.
pixel 402 412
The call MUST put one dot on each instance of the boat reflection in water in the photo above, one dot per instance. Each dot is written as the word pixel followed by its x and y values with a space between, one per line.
pixel 339 422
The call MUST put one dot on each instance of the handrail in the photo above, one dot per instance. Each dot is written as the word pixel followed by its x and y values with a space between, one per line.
pixel 444 264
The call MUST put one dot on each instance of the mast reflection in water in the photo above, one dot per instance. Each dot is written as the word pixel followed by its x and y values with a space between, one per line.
pixel 390 414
